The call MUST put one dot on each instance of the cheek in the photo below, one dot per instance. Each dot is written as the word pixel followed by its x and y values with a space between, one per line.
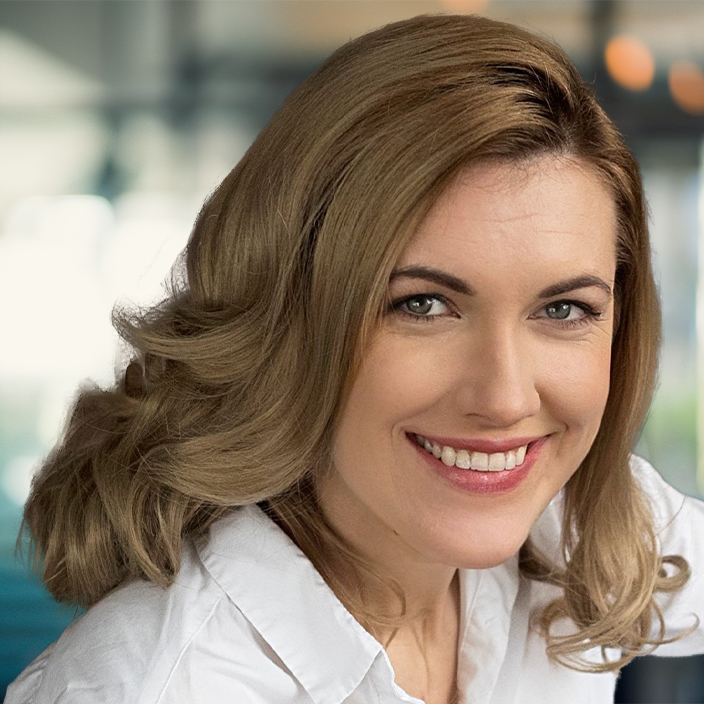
pixel 394 385
pixel 399 379
pixel 576 384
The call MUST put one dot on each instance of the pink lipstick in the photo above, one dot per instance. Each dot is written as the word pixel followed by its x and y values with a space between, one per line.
pixel 479 482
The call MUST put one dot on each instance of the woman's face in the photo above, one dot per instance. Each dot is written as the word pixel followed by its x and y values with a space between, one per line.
pixel 499 336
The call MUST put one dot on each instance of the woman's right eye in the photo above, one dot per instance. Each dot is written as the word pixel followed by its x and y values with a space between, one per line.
pixel 422 307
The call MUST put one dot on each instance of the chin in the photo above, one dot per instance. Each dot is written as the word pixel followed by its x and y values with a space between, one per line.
pixel 487 561
pixel 482 552
pixel 489 558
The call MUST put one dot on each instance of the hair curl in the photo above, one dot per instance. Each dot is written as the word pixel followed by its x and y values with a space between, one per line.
pixel 240 376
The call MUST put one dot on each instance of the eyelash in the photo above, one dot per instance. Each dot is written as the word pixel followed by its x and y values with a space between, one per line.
pixel 590 314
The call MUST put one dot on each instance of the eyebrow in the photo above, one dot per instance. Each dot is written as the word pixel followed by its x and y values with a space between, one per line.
pixel 454 283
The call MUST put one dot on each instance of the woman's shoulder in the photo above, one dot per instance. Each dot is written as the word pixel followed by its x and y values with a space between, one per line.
pixel 126 643
pixel 248 619
pixel 141 643
pixel 675 514
pixel 679 526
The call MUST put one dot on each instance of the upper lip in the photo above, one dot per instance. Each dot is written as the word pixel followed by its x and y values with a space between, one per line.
pixel 488 446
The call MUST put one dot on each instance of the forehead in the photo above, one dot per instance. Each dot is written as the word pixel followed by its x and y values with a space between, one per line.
pixel 526 217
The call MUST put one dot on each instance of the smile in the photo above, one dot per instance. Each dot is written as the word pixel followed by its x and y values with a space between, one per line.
pixel 479 461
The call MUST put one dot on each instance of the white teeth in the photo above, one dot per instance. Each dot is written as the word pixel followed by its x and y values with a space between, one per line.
pixel 463 460
pixel 497 462
pixel 480 461
pixel 448 456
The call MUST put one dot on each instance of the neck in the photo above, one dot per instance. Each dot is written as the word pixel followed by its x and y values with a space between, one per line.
pixel 399 590
pixel 420 632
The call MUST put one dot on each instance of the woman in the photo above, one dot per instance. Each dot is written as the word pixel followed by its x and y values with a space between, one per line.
pixel 377 447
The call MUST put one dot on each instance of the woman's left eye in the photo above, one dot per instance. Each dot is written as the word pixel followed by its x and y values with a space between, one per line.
pixel 569 313
pixel 422 307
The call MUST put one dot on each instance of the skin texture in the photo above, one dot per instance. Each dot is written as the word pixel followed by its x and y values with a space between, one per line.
pixel 493 365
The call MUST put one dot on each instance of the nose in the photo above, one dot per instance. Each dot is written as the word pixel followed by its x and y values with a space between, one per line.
pixel 499 386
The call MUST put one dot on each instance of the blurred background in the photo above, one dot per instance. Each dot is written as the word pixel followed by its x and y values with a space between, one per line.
pixel 118 117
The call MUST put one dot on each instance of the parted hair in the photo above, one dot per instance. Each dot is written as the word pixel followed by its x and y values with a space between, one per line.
pixel 239 376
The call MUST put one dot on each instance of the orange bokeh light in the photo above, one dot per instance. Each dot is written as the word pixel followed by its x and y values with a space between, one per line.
pixel 462 6
pixel 686 83
pixel 630 62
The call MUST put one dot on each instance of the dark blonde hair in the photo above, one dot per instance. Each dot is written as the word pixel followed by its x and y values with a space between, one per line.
pixel 242 373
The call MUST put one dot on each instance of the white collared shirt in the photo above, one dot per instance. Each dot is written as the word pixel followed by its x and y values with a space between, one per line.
pixel 250 621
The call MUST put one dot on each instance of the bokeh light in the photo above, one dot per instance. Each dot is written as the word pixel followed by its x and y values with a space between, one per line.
pixel 461 6
pixel 686 81
pixel 630 62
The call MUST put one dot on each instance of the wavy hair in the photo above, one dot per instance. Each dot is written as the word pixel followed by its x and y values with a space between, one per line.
pixel 240 376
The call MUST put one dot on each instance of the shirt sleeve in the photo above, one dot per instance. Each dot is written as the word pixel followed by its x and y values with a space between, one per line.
pixel 24 689
pixel 679 526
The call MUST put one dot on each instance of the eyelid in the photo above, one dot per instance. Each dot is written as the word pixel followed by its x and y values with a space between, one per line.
pixel 395 305
pixel 585 307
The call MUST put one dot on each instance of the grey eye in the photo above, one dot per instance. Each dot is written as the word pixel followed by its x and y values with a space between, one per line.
pixel 559 310
pixel 420 304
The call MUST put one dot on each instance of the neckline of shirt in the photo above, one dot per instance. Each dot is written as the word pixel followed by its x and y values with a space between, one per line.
pixel 275 586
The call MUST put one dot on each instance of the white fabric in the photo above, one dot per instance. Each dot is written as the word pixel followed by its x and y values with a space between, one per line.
pixel 249 621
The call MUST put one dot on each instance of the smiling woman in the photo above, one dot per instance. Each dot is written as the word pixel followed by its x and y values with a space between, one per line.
pixel 377 445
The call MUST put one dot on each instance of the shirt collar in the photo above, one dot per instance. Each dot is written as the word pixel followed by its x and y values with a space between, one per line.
pixel 284 597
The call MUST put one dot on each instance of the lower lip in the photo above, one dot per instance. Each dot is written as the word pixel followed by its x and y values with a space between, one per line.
pixel 475 482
